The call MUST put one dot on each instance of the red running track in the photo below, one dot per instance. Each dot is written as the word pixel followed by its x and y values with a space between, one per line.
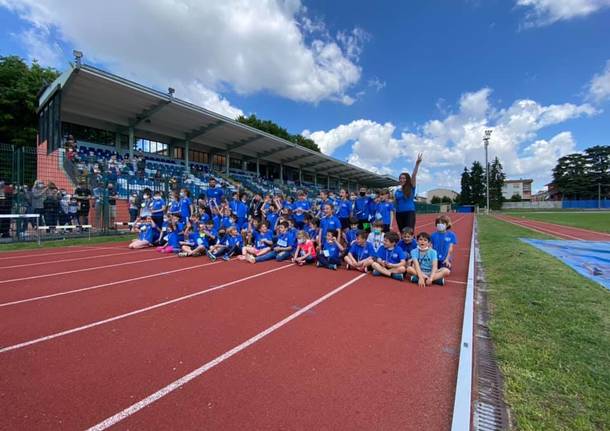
pixel 557 230
pixel 378 354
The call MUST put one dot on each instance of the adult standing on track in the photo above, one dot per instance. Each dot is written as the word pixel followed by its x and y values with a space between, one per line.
pixel 404 197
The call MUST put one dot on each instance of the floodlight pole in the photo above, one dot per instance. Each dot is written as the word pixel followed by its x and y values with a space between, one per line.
pixel 486 143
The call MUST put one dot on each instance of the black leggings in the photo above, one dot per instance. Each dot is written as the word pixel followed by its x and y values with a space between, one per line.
pixel 405 219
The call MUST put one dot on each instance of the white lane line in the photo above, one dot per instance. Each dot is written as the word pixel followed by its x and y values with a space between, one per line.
pixel 557 227
pixel 98 286
pixel 83 269
pixel 37 253
pixel 447 281
pixel 138 311
pixel 65 260
pixel 545 232
pixel 112 420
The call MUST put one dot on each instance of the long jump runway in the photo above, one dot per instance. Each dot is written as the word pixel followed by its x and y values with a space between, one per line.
pixel 95 337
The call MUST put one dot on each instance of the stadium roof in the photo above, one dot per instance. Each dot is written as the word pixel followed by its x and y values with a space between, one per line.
pixel 96 98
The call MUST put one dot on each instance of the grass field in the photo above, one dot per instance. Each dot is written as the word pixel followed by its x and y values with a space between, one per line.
pixel 551 329
pixel 599 221
pixel 63 243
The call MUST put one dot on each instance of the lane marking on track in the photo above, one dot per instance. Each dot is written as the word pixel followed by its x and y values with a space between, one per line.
pixel 65 260
pixel 138 311
pixel 37 253
pixel 98 286
pixel 124 414
pixel 539 230
pixel 557 227
pixel 446 281
pixel 33 277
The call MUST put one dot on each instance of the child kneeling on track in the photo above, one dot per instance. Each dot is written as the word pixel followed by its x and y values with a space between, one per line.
pixel 425 270
pixel 443 241
pixel 172 236
pixel 262 249
pixel 148 234
pixel 228 246
pixel 284 244
pixel 361 254
pixel 330 255
pixel 306 249
pixel 391 260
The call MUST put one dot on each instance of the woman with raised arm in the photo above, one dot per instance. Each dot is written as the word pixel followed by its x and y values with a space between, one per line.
pixel 404 197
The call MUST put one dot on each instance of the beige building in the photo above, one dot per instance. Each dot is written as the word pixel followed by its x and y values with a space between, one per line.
pixel 440 193
pixel 521 187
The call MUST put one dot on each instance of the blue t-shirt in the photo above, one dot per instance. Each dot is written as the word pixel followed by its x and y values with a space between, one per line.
pixel 404 203
pixel 299 208
pixel 394 255
pixel 407 247
pixel 286 239
pixel 259 237
pixel 214 194
pixel 312 232
pixel 185 208
pixel 232 241
pixel 361 208
pixel 425 260
pixel 441 241
pixel 329 223
pixel 225 222
pixel 173 239
pixel 384 212
pixel 344 208
pixel 272 219
pixel 331 250
pixel 157 206
pixel 239 209
pixel 350 235
pixel 174 207
pixel 361 252
pixel 287 205
pixel 147 232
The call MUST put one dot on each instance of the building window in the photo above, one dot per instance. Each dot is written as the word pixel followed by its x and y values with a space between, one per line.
pixel 153 147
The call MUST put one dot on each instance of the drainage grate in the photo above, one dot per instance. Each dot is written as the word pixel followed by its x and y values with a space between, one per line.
pixel 490 411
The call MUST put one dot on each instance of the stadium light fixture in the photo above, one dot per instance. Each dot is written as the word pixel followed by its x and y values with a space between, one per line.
pixel 78 55
pixel 486 143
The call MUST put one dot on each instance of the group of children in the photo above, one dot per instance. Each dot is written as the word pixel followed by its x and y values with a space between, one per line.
pixel 222 229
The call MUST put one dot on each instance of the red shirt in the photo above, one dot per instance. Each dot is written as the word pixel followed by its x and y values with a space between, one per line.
pixel 307 248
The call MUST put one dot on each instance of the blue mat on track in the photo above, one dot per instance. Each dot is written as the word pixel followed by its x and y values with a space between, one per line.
pixel 589 258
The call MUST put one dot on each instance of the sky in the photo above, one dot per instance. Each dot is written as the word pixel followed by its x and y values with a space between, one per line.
pixel 373 83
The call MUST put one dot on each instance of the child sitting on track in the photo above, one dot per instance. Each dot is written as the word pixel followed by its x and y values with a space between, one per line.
pixel 262 249
pixel 425 270
pixel 407 243
pixel 172 236
pixel 361 254
pixel 305 251
pixel 376 236
pixel 443 241
pixel 148 234
pixel 330 255
pixel 284 244
pixel 390 259
pixel 349 235
pixel 229 246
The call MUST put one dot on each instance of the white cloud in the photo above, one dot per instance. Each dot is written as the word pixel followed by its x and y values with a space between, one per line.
pixel 247 46
pixel 545 12
pixel 599 87
pixel 35 42
pixel 455 141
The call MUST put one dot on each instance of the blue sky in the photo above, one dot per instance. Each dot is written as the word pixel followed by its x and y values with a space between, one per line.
pixel 372 83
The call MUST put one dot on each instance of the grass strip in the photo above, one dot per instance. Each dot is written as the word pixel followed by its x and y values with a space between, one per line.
pixel 52 243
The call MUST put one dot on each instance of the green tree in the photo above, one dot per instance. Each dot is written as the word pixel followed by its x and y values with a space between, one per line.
pixel 477 184
pixel 570 175
pixel 515 198
pixel 446 200
pixel 276 130
pixel 20 86
pixel 496 182
pixel 435 200
pixel 466 192
pixel 598 169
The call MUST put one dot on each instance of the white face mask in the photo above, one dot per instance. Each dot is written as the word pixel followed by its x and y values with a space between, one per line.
pixel 157 198
pixel 441 227
pixel 301 241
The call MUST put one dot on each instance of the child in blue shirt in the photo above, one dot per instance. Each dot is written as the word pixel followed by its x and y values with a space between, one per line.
pixel 185 205
pixel 349 235
pixel 361 254
pixel 148 234
pixel 424 270
pixel 344 209
pixel 330 254
pixel 229 246
pixel 284 244
pixel 391 260
pixel 443 241
pixel 407 243
pixel 261 250
pixel 385 210
pixel 158 208
pixel 300 208
pixel 172 237
pixel 328 222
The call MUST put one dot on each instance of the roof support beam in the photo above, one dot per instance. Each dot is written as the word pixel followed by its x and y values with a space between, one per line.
pixel 294 159
pixel 243 142
pixel 202 130
pixel 147 113
pixel 340 171
pixel 312 164
pixel 271 152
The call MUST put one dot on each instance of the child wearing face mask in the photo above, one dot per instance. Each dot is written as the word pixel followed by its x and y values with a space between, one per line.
pixel 376 236
pixel 185 205
pixel 424 270
pixel 158 208
pixel 306 250
pixel 443 241
pixel 146 205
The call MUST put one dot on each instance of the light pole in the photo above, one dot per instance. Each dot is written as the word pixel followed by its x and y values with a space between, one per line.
pixel 486 143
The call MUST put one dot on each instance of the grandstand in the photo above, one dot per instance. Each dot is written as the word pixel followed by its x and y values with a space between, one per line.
pixel 175 139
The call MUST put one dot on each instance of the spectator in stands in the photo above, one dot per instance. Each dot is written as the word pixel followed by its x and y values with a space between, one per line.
pixel 140 166
pixel 83 196
pixel 112 197
pixel 51 205
pixel 38 195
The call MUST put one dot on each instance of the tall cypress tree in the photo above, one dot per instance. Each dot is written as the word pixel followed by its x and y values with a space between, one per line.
pixel 477 184
pixel 496 182
pixel 466 192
